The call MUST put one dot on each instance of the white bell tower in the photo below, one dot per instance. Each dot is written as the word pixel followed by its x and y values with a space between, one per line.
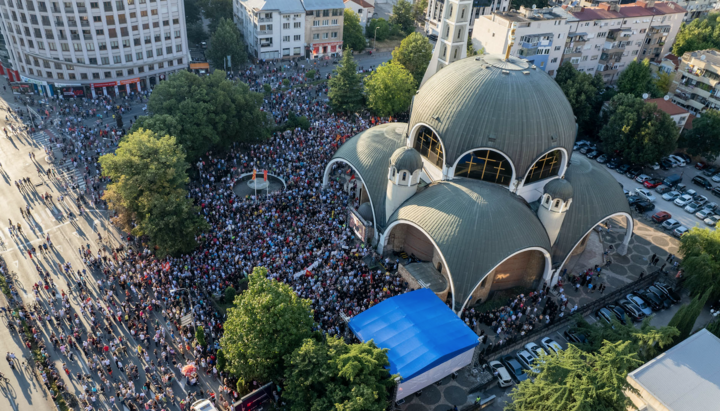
pixel 554 203
pixel 403 178
pixel 452 36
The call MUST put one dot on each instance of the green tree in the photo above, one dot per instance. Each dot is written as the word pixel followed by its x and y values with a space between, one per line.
pixel 390 89
pixel 663 82
pixel 216 10
pixel 700 250
pixel 640 132
pixel 192 12
pixel 353 32
pixel 637 79
pixel 205 112
pixel 402 16
pixel 268 322
pixel 701 34
pixel 685 318
pixel 310 74
pixel 328 374
pixel 577 380
pixel 581 90
pixel 230 294
pixel 294 121
pixel 196 32
pixel 226 41
pixel 148 175
pixel 345 86
pixel 418 10
pixel 221 360
pixel 200 335
pixel 383 30
pixel 414 53
pixel 704 137
pixel 714 327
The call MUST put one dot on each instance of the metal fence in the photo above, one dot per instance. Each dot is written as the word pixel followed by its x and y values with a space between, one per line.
pixel 497 351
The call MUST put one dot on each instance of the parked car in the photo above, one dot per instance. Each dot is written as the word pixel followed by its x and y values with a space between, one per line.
pixel 593 154
pixel 619 313
pixel 655 166
pixel 652 183
pixel 642 178
pixel 670 196
pixel 661 216
pixel 681 161
pixel 700 165
pixel 672 161
pixel 503 375
pixel 613 163
pixel 704 213
pixel 692 193
pixel 633 312
pixel 693 207
pixel 639 303
pixel 551 345
pixel 604 314
pixel 712 220
pixel 672 180
pixel 683 200
pixel 716 178
pixel 682 188
pixel 666 301
pixel 650 299
pixel 645 194
pixel 670 224
pixel 634 172
pixel 711 206
pixel 680 231
pixel 632 200
pixel 586 149
pixel 602 158
pixel 685 157
pixel 526 359
pixel 514 367
pixel 536 350
pixel 702 182
pixel 574 336
pixel 665 164
pixel 716 191
pixel 644 206
pixel 668 291
pixel 662 189
pixel 623 168
pixel 710 171
pixel 702 200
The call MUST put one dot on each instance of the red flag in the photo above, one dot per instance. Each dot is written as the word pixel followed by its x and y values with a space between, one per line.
pixel 254 171
pixel 352 178
pixel 265 175
pixel 337 138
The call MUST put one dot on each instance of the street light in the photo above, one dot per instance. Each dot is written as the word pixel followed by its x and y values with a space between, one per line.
pixel 375 40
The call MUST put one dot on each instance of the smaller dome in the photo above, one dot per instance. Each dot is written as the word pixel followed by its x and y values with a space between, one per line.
pixel 406 158
pixel 559 189
pixel 365 211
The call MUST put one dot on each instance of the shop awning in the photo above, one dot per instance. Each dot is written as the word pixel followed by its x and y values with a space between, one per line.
pixel 199 66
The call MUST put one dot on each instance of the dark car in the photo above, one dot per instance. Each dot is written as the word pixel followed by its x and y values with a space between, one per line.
pixel 633 312
pixel 623 168
pixel 620 314
pixel 716 191
pixel 574 336
pixel 613 163
pixel 702 182
pixel 634 172
pixel 644 206
pixel 650 299
pixel 513 366
pixel 661 216
pixel 668 291
pixel 665 164
pixel 700 165
pixel 433 37
pixel 685 157
pixel 710 171
pixel 632 200
pixel 667 302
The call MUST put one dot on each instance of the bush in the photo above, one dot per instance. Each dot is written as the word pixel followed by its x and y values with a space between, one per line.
pixel 310 75
pixel 243 284
pixel 230 294
pixel 286 82
pixel 267 88
pixel 200 335
pixel 221 361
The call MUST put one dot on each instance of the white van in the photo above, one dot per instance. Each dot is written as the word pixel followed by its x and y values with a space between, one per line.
pixel 203 405
pixel 679 160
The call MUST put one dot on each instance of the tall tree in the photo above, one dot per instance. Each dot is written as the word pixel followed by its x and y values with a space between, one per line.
pixel 149 174
pixel 641 132
pixel 266 324
pixel 196 32
pixel 192 11
pixel 402 16
pixel 353 32
pixel 701 34
pixel 325 373
pixel 586 96
pixel 685 318
pixel 663 82
pixel 714 327
pixel 414 52
pixel 226 41
pixel 345 86
pixel 378 30
pixel 216 10
pixel 390 89
pixel 700 250
pixel 418 10
pixel 704 137
pixel 637 79
pixel 576 380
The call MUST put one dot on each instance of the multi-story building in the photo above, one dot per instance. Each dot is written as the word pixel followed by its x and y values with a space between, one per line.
pixel 323 28
pixel 271 28
pixel 696 86
pixel 607 38
pixel 537 35
pixel 698 8
pixel 433 15
pixel 90 48
pixel 364 9
pixel 678 114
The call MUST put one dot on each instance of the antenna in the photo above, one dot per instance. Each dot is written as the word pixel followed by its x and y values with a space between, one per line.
pixel 645 96
pixel 667 97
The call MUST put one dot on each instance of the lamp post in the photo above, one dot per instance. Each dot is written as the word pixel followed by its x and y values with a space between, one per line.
pixel 375 39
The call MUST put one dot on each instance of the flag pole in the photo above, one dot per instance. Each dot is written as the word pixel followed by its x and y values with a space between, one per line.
pixel 255 184
pixel 267 188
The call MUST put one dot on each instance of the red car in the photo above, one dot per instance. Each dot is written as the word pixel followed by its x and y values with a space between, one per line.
pixel 652 183
pixel 701 165
pixel 661 216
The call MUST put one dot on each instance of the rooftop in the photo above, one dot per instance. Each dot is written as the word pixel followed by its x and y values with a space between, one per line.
pixel 362 3
pixel 686 377
pixel 323 4
pixel 626 10
pixel 711 56
pixel 286 6
pixel 667 106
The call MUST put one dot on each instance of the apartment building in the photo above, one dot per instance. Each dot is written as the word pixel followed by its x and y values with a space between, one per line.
pixel 365 10
pixel 698 8
pixel 323 28
pixel 537 35
pixel 696 84
pixel 433 15
pixel 89 48
pixel 607 38
pixel 272 28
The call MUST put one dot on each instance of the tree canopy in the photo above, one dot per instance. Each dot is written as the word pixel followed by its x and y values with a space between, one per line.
pixel 684 319
pixel 216 10
pixel 345 92
pixel 637 79
pixel 149 174
pixel 390 89
pixel 701 34
pixel 700 250
pixel 266 324
pixel 640 132
pixel 414 53
pixel 583 92
pixel 402 16
pixel 704 137
pixel 579 381
pixel 418 10
pixel 384 30
pixel 325 373
pixel 353 32
pixel 206 112
pixel 226 41
pixel 663 82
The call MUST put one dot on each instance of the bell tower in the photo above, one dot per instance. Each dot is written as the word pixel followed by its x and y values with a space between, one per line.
pixel 452 38
pixel 554 203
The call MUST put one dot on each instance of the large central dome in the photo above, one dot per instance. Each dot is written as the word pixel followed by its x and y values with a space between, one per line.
pixel 487 102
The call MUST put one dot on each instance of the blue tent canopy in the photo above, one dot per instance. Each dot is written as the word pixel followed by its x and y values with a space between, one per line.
pixel 419 330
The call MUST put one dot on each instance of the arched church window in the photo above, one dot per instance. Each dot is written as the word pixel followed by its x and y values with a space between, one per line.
pixel 404 176
pixel 428 145
pixel 557 203
pixel 547 166
pixel 485 165
pixel 547 200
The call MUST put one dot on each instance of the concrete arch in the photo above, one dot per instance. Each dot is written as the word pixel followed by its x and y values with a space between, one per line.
pixel 546 270
pixel 271 175
pixel 622 250
pixel 326 178
pixel 451 171
pixel 383 242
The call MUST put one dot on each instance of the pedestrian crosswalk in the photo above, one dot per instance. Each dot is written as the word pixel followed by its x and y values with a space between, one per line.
pixel 69 174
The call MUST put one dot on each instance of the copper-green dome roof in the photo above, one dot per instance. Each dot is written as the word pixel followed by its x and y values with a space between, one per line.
pixel 406 158
pixel 509 106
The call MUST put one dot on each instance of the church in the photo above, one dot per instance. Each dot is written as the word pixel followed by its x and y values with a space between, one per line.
pixel 480 188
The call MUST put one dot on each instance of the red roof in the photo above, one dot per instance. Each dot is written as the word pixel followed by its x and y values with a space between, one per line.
pixel 361 3
pixel 667 106
pixel 689 122
pixel 673 58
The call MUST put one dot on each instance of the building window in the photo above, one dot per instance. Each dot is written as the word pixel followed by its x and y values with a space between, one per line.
pixel 485 165
pixel 547 166
pixel 296 37
pixel 428 145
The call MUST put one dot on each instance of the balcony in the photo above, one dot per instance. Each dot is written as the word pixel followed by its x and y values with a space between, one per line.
pixel 72 23
pixel 264 20
pixel 264 32
pixel 81 9
pixel 49 36
pixel 87 37
pixel 84 23
pixel 59 23
pixel 69 10
pixel 55 9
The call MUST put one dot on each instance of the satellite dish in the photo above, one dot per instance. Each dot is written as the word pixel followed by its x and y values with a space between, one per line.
pixel 534 7
pixel 702 57
pixel 667 97
pixel 645 96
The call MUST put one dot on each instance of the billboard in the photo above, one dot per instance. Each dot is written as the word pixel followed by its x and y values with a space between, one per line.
pixel 357 225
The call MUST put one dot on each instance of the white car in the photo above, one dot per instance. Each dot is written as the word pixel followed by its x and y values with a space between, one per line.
pixel 526 359
pixel 655 166
pixel 642 178
pixel 692 207
pixel 716 178
pixel 645 194
pixel 672 161
pixel 683 200
pixel 535 350
pixel 670 224
pixel 704 213
pixel 679 160
pixel 503 376
pixel 639 303
pixel 712 220
pixel 551 345
pixel 670 196
pixel 701 200
pixel 680 231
